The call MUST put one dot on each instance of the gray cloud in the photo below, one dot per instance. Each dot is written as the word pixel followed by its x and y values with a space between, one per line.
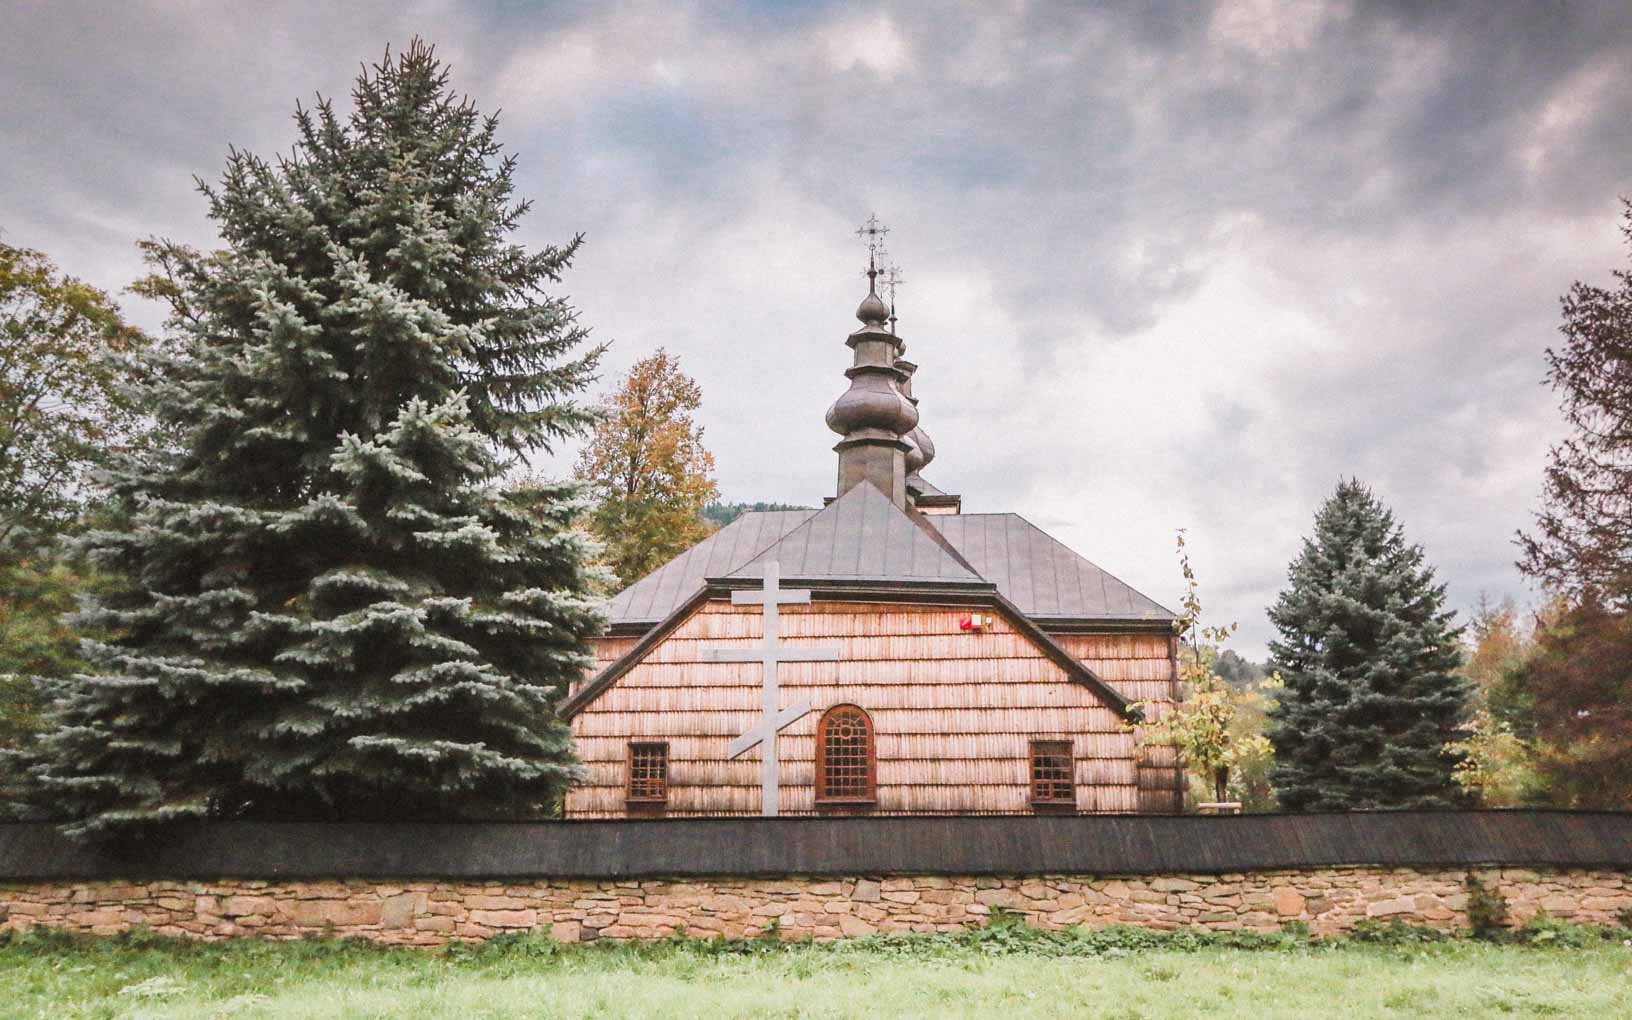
pixel 1168 266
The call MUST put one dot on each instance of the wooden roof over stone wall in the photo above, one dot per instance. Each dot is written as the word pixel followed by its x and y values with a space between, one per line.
pixel 1081 844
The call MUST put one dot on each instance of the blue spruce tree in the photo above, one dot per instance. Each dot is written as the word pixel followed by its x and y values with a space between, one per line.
pixel 1369 657
pixel 331 609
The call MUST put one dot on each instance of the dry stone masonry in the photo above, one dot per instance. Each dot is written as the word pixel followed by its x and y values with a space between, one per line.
pixel 431 913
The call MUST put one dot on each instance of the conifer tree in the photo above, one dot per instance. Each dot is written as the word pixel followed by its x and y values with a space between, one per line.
pixel 330 609
pixel 1369 659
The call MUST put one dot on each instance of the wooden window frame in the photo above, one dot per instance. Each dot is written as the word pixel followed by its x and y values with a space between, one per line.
pixel 822 796
pixel 1052 749
pixel 630 797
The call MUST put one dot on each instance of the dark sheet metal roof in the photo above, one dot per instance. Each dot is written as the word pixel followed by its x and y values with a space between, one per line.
pixel 864 537
pixel 924 486
pixel 656 595
pixel 1041 574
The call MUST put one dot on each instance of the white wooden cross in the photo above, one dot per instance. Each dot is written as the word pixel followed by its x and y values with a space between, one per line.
pixel 773 717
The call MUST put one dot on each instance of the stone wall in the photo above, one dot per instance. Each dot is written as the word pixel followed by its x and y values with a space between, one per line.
pixel 430 913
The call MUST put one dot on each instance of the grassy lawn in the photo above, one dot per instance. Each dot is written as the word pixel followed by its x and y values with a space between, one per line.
pixel 1011 977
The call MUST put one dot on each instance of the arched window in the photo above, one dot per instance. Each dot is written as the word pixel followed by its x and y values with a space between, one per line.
pixel 844 756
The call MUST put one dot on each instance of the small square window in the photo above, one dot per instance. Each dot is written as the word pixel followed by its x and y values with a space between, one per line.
pixel 1053 773
pixel 649 772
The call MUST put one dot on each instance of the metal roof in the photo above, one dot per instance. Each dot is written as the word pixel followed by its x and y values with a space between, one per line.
pixel 924 486
pixel 862 536
pixel 1040 574
pixel 654 596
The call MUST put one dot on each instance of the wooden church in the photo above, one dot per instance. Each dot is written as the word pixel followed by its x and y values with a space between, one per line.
pixel 887 654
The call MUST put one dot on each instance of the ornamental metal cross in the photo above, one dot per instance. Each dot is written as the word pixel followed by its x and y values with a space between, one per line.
pixel 872 234
pixel 773 717
pixel 891 277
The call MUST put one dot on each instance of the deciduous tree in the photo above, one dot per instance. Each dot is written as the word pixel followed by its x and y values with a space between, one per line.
pixel 1582 543
pixel 1496 758
pixel 63 407
pixel 1206 723
pixel 327 608
pixel 648 468
pixel 1574 693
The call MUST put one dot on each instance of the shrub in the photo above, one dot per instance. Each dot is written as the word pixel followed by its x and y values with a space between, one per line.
pixel 1545 930
pixel 1395 933
pixel 1487 910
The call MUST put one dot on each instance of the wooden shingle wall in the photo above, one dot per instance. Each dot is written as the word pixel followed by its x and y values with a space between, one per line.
pixel 953 713
pixel 1142 667
pixel 608 650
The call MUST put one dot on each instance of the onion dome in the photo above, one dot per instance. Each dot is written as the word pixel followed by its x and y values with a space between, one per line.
pixel 914 458
pixel 873 311
pixel 872 402
pixel 877 411
pixel 922 452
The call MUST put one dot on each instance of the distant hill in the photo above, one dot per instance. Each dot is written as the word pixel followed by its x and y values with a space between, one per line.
pixel 721 514
pixel 1239 672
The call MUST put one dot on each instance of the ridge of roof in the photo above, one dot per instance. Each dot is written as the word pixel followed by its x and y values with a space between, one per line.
pixel 863 535
pixel 1044 578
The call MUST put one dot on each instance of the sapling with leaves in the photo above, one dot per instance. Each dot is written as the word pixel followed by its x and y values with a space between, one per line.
pixel 1201 725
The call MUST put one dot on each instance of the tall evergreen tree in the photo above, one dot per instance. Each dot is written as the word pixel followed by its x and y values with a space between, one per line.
pixel 1369 656
pixel 331 611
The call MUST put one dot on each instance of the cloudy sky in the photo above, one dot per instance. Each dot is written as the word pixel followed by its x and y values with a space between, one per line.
pixel 1168 265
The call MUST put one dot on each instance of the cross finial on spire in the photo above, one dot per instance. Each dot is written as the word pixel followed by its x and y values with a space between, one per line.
pixel 872 235
pixel 892 278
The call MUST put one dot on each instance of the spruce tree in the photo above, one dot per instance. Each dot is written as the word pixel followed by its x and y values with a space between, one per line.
pixel 330 609
pixel 1369 658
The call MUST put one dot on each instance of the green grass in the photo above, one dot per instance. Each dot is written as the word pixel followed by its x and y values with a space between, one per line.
pixel 1008 971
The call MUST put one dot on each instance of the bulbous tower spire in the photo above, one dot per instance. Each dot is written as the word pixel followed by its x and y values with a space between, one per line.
pixel 922 448
pixel 874 414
